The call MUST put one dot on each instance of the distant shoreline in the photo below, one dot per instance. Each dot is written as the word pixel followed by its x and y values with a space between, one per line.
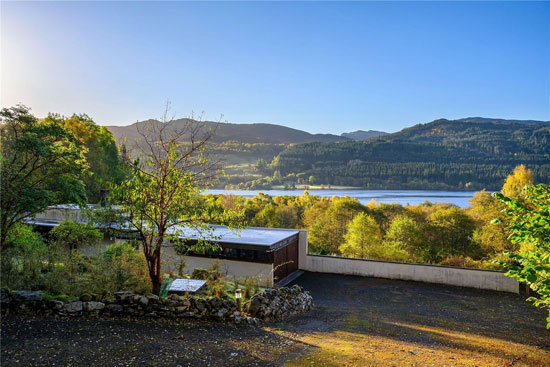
pixel 343 188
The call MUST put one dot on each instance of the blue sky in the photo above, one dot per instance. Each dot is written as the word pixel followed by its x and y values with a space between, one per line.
pixel 317 66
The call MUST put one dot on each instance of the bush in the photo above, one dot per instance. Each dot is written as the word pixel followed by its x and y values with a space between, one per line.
pixel 23 259
pixel 72 235
pixel 216 287
pixel 120 267
pixel 211 273
pixel 250 287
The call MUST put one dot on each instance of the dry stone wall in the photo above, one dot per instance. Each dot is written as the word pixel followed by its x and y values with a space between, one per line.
pixel 271 305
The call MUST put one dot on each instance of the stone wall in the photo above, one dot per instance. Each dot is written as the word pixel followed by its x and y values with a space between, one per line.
pixel 271 305
pixel 280 303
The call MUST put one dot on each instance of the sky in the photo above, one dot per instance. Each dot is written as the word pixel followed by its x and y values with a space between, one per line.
pixel 322 67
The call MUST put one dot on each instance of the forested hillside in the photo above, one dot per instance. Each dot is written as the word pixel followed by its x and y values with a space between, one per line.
pixel 443 154
pixel 466 154
pixel 363 135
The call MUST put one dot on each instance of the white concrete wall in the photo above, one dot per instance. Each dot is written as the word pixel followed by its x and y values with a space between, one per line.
pixel 239 269
pixel 61 214
pixel 171 261
pixel 463 277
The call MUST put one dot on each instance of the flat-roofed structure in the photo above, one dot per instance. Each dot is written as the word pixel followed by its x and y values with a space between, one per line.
pixel 275 247
pixel 267 254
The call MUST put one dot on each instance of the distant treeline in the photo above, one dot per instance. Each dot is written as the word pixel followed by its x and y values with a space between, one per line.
pixel 435 233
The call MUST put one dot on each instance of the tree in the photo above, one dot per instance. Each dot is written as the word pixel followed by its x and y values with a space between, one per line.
pixel 162 195
pixel 515 182
pixel 450 232
pixel 493 239
pixel 71 235
pixel 327 221
pixel 362 236
pixel 102 155
pixel 41 164
pixel 406 234
pixel 529 224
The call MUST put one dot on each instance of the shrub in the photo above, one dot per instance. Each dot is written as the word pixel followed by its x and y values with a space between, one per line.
pixel 23 259
pixel 250 287
pixel 120 267
pixel 72 235
pixel 216 287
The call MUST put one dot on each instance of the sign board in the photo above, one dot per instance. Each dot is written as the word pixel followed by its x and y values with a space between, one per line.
pixel 186 285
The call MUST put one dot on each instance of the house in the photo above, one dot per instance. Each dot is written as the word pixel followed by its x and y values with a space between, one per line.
pixel 268 255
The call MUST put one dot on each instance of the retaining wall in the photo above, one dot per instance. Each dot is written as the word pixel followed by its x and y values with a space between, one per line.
pixel 449 275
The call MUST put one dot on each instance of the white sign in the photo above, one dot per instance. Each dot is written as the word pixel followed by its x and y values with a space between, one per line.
pixel 186 285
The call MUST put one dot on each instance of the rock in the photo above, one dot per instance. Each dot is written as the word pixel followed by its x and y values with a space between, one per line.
pixel 56 305
pixel 153 298
pixel 222 312
pixel 144 301
pixel 187 314
pixel 5 297
pixel 215 302
pixel 180 309
pixel 174 297
pixel 123 296
pixel 200 306
pixel 25 296
pixel 93 306
pixel 73 307
pixel 114 308
pixel 86 297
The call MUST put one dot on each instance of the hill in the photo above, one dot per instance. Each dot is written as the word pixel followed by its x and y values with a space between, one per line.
pixel 442 154
pixel 240 133
pixel 363 135
pixel 485 119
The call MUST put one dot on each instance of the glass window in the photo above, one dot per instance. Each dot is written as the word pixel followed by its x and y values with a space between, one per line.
pixel 247 255
pixel 230 253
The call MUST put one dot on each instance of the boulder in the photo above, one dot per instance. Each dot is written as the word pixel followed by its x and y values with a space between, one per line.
pixel 222 313
pixel 93 306
pixel 56 305
pixel 25 296
pixel 73 307
pixel 114 308
pixel 144 301
pixel 152 298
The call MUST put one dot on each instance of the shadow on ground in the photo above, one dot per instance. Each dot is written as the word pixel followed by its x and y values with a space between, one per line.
pixel 357 321
pixel 365 321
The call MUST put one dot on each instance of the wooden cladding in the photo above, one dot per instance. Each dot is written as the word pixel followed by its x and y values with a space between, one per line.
pixel 285 260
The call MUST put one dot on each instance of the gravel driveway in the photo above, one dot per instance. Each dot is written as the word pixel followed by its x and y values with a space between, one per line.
pixel 357 321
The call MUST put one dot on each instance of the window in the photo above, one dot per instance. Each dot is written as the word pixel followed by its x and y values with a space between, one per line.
pixel 246 255
pixel 263 256
pixel 230 253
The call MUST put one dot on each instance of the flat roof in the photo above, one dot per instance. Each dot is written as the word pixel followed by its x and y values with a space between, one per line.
pixel 248 237
pixel 264 238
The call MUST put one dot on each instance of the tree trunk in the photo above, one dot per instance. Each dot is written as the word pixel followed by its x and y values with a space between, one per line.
pixel 154 271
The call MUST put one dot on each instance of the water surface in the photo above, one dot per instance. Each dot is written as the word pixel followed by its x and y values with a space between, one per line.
pixel 403 197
